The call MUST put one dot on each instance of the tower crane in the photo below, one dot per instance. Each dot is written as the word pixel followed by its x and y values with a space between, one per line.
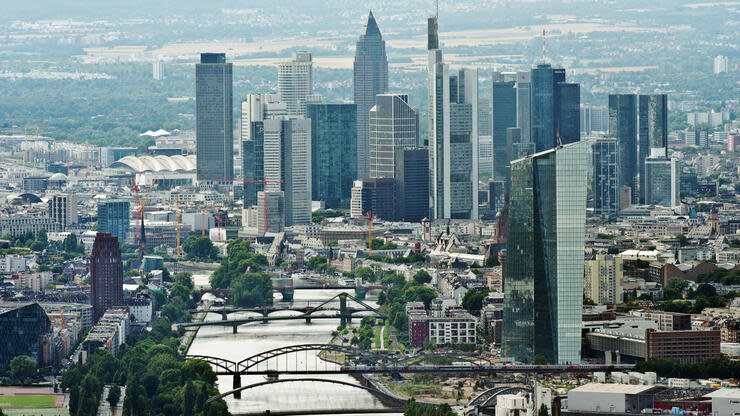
pixel 369 219
pixel 264 183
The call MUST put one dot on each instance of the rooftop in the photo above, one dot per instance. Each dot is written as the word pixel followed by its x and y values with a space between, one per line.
pixel 612 388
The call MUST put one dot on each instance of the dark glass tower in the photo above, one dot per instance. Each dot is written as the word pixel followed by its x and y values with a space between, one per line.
pixel 623 127
pixel 333 152
pixel 504 117
pixel 606 168
pixel 106 274
pixel 543 281
pixel 370 79
pixel 253 162
pixel 543 107
pixel 114 217
pixel 412 184
pixel 653 127
pixel 213 118
pixel 568 112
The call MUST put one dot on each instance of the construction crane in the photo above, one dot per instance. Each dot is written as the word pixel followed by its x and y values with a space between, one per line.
pixel 178 215
pixel 369 219
pixel 140 235
pixel 203 219
pixel 264 183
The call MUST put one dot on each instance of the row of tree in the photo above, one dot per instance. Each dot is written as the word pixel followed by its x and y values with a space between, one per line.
pixel 393 301
pixel 241 270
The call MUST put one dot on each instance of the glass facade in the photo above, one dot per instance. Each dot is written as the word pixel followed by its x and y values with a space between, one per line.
pixel 370 79
pixel 504 117
pixel 412 184
pixel 114 217
pixel 568 112
pixel 605 189
pixel 253 167
pixel 661 177
pixel 653 125
pixel 623 127
pixel 214 113
pixel 544 267
pixel 393 126
pixel 543 108
pixel 24 328
pixel 333 152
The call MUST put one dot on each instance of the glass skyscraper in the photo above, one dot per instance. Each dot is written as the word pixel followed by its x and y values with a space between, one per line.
pixel 333 153
pixel 213 115
pixel 114 217
pixel 370 79
pixel 623 127
pixel 504 117
pixel 555 108
pixel 606 167
pixel 412 184
pixel 653 129
pixel 394 125
pixel 295 82
pixel 545 253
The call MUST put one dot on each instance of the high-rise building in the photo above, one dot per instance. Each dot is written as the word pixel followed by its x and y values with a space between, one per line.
pixel 370 79
pixel 106 274
pixel 394 125
pixel 158 70
pixel 213 118
pixel 412 184
pixel 602 282
pixel 496 196
pixel 287 158
pixel 594 119
pixel 256 108
pixel 623 127
pixel 545 256
pixel 333 152
pixel 504 117
pixel 662 181
pixel 63 210
pixel 485 156
pixel 721 64
pixel 524 105
pixel 485 117
pixel 653 132
pixel 453 136
pixel 606 169
pixel 274 219
pixel 114 217
pixel 376 195
pixel 555 108
pixel 295 82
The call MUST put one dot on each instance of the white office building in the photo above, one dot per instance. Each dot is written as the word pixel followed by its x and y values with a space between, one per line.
pixel 295 82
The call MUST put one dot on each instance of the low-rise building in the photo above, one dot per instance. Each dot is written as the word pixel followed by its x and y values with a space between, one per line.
pixel 448 326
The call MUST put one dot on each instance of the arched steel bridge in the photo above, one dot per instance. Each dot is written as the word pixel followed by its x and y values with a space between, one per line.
pixel 388 399
pixel 488 398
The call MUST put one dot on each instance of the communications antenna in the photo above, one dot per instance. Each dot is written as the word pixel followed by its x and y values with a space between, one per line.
pixel 543 46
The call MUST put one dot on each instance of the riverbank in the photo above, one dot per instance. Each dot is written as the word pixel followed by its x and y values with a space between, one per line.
pixel 187 339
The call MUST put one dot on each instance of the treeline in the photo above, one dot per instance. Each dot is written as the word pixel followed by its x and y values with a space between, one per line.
pixel 241 270
pixel 722 368
pixel 416 409
pixel 393 301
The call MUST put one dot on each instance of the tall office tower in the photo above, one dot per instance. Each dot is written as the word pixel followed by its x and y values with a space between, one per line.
pixel 376 195
pixel 519 148
pixel 661 181
pixel 602 282
pixel 106 274
pixel 412 184
pixel 287 158
pixel 114 217
pixel 274 219
pixel 606 168
pixel 721 64
pixel 158 70
pixel 623 127
pixel 255 109
pixel 295 82
pixel 524 105
pixel 504 117
pixel 213 118
pixel 653 130
pixel 370 79
pixel 453 136
pixel 485 156
pixel 555 108
pixel 333 152
pixel 545 246
pixel 63 210
pixel 585 119
pixel 496 196
pixel 485 117
pixel 394 125
pixel 600 119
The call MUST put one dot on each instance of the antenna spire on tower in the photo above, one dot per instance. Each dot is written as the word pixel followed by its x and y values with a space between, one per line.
pixel 436 9
pixel 543 46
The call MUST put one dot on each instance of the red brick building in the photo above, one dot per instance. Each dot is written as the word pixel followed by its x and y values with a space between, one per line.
pixel 682 346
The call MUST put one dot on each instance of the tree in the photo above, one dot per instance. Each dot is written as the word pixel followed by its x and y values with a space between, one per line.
pixel 543 411
pixel 422 277
pixel 188 396
pixel 539 359
pixel 473 300
pixel 114 395
pixel 74 400
pixel 22 368
pixel 492 260
pixel 200 248
pixel 70 244
pixel 683 241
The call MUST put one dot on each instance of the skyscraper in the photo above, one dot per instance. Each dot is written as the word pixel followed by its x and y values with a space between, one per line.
pixel 504 117
pixel 213 115
pixel 412 184
pixel 370 79
pixel 555 108
pixel 333 152
pixel 623 127
pixel 114 217
pixel 653 129
pixel 287 158
pixel 376 195
pixel 295 82
pixel 106 274
pixel 661 181
pixel 63 210
pixel 274 218
pixel 606 168
pixel 524 105
pixel 602 282
pixel 393 125
pixel 545 253
pixel 453 135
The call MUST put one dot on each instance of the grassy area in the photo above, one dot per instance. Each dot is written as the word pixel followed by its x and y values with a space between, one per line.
pixel 412 389
pixel 376 331
pixel 387 335
pixel 30 401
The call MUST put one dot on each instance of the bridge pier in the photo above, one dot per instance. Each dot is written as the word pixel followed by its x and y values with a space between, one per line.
pixel 308 320
pixel 233 329
pixel 223 316
pixel 237 382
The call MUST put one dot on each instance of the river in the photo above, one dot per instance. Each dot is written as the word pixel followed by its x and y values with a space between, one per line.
pixel 252 339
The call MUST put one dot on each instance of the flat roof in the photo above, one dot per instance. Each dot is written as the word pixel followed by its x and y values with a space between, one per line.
pixel 613 388
pixel 727 393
